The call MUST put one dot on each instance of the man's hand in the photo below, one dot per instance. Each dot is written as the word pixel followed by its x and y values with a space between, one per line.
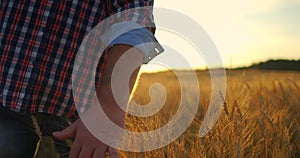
pixel 85 144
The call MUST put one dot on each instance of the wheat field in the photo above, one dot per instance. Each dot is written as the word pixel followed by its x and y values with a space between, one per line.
pixel 260 116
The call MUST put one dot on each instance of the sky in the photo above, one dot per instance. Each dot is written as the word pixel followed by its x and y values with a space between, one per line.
pixel 244 32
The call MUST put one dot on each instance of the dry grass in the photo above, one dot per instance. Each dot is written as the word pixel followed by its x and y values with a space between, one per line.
pixel 261 116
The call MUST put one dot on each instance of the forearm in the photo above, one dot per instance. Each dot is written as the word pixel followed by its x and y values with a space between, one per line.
pixel 104 89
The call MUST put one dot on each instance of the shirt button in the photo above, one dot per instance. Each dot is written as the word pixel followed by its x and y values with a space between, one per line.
pixel 40 33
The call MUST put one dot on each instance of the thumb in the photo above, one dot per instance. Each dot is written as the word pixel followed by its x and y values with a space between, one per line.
pixel 68 132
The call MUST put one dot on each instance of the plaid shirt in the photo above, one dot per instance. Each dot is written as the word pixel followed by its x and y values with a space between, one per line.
pixel 38 44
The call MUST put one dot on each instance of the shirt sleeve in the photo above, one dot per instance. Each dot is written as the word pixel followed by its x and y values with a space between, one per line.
pixel 134 30
pixel 142 39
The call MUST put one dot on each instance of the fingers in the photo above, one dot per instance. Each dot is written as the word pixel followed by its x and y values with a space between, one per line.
pixel 86 152
pixel 75 150
pixel 68 132
pixel 85 144
pixel 79 151
pixel 100 153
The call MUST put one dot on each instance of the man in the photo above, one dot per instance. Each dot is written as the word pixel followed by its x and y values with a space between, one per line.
pixel 38 45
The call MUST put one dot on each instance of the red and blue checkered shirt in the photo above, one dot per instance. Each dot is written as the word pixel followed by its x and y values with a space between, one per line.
pixel 38 44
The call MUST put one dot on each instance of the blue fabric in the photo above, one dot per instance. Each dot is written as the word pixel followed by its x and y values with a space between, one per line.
pixel 137 37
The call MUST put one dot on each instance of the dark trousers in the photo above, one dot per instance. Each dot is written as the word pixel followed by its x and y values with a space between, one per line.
pixel 18 137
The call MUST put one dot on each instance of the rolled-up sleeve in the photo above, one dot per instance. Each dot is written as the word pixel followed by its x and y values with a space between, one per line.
pixel 137 28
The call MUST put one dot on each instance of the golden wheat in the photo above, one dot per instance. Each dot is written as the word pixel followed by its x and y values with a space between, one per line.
pixel 261 116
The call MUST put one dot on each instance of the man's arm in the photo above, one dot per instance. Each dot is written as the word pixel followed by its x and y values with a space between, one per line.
pixel 85 144
pixel 104 89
